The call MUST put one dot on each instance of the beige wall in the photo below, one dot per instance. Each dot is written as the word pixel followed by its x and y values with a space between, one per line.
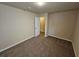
pixel 15 25
pixel 42 24
pixel 76 37
pixel 62 24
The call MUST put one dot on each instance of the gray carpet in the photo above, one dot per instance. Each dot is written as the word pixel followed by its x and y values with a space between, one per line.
pixel 41 47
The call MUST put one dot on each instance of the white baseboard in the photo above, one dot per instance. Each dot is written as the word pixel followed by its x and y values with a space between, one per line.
pixel 16 43
pixel 59 37
pixel 74 49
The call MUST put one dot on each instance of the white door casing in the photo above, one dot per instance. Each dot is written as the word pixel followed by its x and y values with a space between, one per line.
pixel 37 26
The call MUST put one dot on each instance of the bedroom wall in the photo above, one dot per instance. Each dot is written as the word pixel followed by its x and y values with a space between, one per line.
pixel 61 24
pixel 15 26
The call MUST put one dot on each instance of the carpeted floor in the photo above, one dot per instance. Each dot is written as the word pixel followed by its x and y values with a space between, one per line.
pixel 41 47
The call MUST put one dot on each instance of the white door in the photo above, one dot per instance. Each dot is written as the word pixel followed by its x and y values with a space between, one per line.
pixel 37 26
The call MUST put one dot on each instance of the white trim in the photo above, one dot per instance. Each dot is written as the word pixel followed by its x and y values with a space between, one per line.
pixel 16 44
pixel 74 50
pixel 60 37
pixel 36 23
pixel 46 24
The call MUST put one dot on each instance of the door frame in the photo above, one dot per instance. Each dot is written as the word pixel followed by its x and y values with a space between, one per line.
pixel 46 24
pixel 35 27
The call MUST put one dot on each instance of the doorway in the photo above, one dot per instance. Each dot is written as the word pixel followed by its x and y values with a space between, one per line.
pixel 40 24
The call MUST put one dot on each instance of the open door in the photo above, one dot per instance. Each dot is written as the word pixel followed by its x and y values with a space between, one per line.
pixel 37 26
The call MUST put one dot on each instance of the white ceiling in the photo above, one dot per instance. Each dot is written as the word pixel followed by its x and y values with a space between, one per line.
pixel 47 7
